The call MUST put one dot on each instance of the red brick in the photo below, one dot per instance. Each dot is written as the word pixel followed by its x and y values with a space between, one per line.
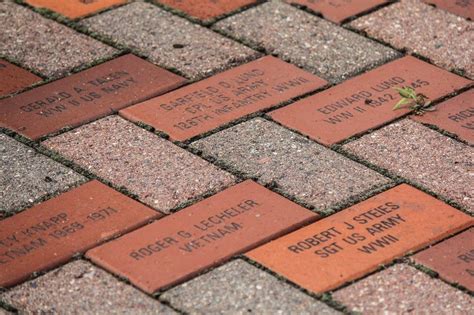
pixel 13 78
pixel 85 96
pixel 161 254
pixel 50 233
pixel 464 8
pixel 218 100
pixel 341 248
pixel 206 9
pixel 453 259
pixel 455 115
pixel 339 10
pixel 74 9
pixel 345 110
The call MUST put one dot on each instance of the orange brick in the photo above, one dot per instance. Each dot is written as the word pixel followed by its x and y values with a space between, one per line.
pixel 355 241
pixel 74 9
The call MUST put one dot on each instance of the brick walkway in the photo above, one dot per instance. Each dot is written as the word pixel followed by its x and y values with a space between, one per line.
pixel 236 157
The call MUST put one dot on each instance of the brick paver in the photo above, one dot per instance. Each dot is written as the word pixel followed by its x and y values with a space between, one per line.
pixel 316 45
pixel 403 289
pixel 369 234
pixel 14 78
pixel 51 232
pixel 452 259
pixel 455 115
pixel 75 8
pixel 366 101
pixel 417 27
pixel 140 161
pixel 169 40
pixel 338 10
pixel 424 156
pixel 80 287
pixel 218 100
pixel 206 10
pixel 185 243
pixel 27 176
pixel 240 288
pixel 85 96
pixel 463 8
pixel 52 49
pixel 297 166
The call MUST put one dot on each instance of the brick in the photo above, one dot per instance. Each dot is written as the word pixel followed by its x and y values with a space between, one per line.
pixel 160 173
pixel 76 8
pixel 51 232
pixel 452 259
pixel 402 289
pixel 13 78
pixel 240 288
pixel 187 242
pixel 464 8
pixel 339 10
pixel 312 43
pixel 85 96
pixel 50 48
pixel 455 115
pixel 369 234
pixel 344 110
pixel 446 40
pixel 423 156
pixel 208 9
pixel 295 165
pixel 210 103
pixel 80 287
pixel 170 41
pixel 27 176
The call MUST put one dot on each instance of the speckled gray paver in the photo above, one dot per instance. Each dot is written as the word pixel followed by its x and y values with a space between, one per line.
pixel 162 174
pixel 26 176
pixel 240 288
pixel 298 166
pixel 422 155
pixel 310 42
pixel 444 38
pixel 81 288
pixel 170 41
pixel 43 45
pixel 4 312
pixel 402 289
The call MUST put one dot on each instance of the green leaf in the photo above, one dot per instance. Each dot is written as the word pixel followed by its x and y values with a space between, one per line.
pixel 401 102
pixel 407 92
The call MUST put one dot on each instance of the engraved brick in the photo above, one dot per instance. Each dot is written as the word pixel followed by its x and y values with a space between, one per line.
pixel 455 116
pixel 369 234
pixel 85 96
pixel 210 103
pixel 452 259
pixel 179 246
pixel 366 101
pixel 50 233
